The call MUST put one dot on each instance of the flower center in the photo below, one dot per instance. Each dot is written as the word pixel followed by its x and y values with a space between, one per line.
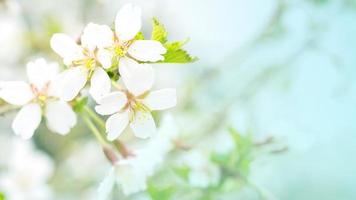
pixel 121 49
pixel 41 94
pixel 89 61
pixel 134 104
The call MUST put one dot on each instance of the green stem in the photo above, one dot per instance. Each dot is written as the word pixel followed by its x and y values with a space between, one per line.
pixel 95 117
pixel 7 108
pixel 118 144
pixel 95 131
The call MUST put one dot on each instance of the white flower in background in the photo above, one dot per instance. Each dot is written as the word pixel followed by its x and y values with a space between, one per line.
pixel 131 173
pixel 203 173
pixel 85 61
pixel 127 26
pixel 134 104
pixel 26 173
pixel 38 97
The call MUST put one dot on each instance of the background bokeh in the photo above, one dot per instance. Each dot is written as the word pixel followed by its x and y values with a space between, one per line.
pixel 275 68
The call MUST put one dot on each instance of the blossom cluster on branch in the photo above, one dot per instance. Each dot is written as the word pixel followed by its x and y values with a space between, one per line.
pixel 115 64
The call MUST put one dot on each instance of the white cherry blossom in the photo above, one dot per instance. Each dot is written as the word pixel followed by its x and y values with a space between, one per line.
pixel 133 105
pixel 86 61
pixel 127 26
pixel 38 97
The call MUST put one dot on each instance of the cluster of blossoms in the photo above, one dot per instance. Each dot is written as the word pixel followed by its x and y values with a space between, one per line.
pixel 115 65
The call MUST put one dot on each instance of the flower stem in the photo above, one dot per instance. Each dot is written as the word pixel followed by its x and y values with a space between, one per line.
pixel 95 131
pixel 7 108
pixel 95 117
pixel 121 148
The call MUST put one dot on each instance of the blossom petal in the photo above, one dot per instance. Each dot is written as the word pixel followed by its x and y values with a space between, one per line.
pixel 138 78
pixel 97 36
pixel 16 92
pixel 60 117
pixel 73 81
pixel 143 125
pixel 111 103
pixel 55 87
pixel 66 47
pixel 128 22
pixel 106 185
pixel 100 84
pixel 27 120
pixel 147 50
pixel 116 124
pixel 105 57
pixel 131 177
pixel 40 72
pixel 161 99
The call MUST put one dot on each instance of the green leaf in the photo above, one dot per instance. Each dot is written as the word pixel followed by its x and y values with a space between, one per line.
pixel 139 36
pixel 157 193
pixel 182 172
pixel 2 196
pixel 175 53
pixel 220 159
pixel 176 45
pixel 159 33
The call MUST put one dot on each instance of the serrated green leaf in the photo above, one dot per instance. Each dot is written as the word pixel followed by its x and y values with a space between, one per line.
pixel 139 36
pixel 178 56
pixel 176 45
pixel 159 33
pixel 175 53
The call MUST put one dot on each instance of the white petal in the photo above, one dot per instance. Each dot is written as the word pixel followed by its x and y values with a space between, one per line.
pixel 66 47
pixel 73 81
pixel 147 50
pixel 138 78
pixel 143 125
pixel 161 99
pixel 60 117
pixel 27 120
pixel 16 92
pixel 40 72
pixel 131 177
pixel 100 84
pixel 111 103
pixel 56 85
pixel 97 36
pixel 128 22
pixel 104 57
pixel 106 185
pixel 116 124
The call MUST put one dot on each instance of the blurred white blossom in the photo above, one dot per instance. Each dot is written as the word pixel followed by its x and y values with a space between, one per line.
pixel 26 173
pixel 202 172
pixel 131 173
